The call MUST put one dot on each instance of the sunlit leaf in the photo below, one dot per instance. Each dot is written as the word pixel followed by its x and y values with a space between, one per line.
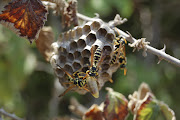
pixel 24 17
pixel 115 106
pixel 148 109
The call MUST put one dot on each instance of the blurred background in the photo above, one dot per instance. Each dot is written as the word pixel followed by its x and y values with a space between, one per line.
pixel 29 88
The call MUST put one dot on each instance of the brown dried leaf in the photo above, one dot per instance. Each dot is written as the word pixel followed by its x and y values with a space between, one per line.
pixel 143 90
pixel 115 106
pixel 69 14
pixel 24 17
pixel 43 43
pixel 94 113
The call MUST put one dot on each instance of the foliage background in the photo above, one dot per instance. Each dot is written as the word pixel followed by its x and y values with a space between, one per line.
pixel 29 88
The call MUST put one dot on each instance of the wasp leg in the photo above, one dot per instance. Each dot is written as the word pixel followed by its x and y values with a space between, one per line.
pixel 125 71
pixel 85 89
pixel 110 80
pixel 65 71
pixel 66 90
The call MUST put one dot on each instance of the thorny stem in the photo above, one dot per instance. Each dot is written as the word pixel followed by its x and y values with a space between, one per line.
pixel 159 53
pixel 12 116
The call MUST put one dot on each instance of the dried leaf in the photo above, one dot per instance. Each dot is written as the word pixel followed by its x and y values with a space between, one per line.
pixel 24 17
pixel 147 109
pixel 143 90
pixel 138 96
pixel 43 43
pixel 168 113
pixel 115 106
pixel 94 113
pixel 69 14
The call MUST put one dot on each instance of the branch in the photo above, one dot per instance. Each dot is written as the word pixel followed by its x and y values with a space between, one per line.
pixel 160 53
pixel 12 116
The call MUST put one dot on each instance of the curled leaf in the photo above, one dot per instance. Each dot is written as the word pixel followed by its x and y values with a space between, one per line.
pixel 43 43
pixel 145 106
pixel 94 113
pixel 138 96
pixel 147 109
pixel 167 112
pixel 24 17
pixel 69 16
pixel 115 106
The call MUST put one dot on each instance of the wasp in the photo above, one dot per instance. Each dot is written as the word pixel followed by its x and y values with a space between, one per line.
pixel 92 73
pixel 75 80
pixel 122 62
pixel 119 53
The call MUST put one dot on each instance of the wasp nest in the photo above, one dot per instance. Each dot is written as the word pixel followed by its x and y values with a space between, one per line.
pixel 73 51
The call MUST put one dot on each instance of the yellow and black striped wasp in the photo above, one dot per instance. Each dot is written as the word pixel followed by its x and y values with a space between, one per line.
pixel 76 80
pixel 92 73
pixel 119 53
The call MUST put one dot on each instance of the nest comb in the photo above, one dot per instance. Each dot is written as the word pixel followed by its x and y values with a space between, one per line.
pixel 73 50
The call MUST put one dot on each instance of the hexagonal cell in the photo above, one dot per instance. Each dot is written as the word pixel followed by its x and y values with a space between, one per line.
pixel 64 80
pixel 68 68
pixel 105 67
pixel 98 43
pixel 101 33
pixel 70 57
pixel 86 29
pixel 76 66
pixel 107 59
pixel 66 36
pixel 59 72
pixel 73 46
pixel 95 26
pixel 62 51
pixel 78 32
pixel 85 61
pixel 86 53
pixel 105 75
pixel 107 49
pixel 110 37
pixel 73 34
pixel 77 55
pixel 81 44
pixel 91 38
pixel 84 69
pixel 62 59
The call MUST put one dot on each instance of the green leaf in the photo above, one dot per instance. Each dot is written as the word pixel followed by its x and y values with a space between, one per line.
pixel 148 108
pixel 115 106
pixel 168 113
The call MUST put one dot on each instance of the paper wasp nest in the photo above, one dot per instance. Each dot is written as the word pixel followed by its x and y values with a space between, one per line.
pixel 73 51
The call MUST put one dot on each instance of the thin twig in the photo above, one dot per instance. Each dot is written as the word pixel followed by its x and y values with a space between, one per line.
pixel 161 54
pixel 12 116
pixel 76 107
